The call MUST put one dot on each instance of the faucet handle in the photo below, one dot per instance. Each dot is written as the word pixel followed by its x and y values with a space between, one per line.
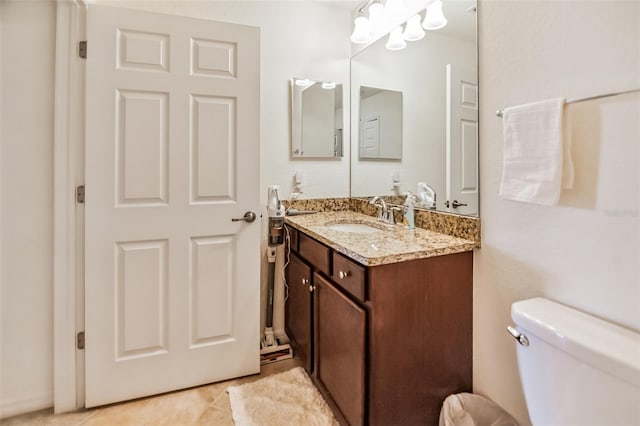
pixel 391 218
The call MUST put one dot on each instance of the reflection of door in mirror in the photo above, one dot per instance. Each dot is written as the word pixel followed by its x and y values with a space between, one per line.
pixel 462 140
pixel 316 119
pixel 380 124
pixel 370 133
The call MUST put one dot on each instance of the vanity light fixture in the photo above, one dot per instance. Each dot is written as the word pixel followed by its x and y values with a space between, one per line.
pixel 303 82
pixel 396 42
pixel 413 30
pixel 434 19
pixel 328 85
pixel 377 18
pixel 361 31
pixel 394 14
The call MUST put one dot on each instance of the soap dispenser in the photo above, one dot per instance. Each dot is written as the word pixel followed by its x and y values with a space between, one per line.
pixel 409 207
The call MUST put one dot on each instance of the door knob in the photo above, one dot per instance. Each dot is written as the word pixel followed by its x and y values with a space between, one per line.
pixel 248 217
pixel 455 204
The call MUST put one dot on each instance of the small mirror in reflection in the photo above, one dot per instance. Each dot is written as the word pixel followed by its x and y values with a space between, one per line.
pixel 316 119
pixel 380 124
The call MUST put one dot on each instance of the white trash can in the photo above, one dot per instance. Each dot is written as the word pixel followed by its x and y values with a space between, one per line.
pixel 467 409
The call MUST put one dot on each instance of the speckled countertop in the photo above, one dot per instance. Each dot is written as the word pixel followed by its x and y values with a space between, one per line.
pixel 394 243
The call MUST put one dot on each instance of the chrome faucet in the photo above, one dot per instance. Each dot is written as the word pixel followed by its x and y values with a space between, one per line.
pixel 384 213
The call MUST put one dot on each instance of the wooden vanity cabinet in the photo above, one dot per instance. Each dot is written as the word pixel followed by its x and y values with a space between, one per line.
pixel 388 343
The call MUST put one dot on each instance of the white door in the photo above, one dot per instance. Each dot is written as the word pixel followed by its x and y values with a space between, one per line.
pixel 462 141
pixel 172 128
pixel 370 138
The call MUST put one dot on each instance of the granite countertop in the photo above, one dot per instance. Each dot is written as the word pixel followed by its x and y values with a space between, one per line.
pixel 394 243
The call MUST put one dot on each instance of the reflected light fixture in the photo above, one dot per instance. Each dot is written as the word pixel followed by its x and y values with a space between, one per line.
pixel 413 30
pixel 328 85
pixel 377 18
pixel 392 15
pixel 434 19
pixel 396 42
pixel 361 31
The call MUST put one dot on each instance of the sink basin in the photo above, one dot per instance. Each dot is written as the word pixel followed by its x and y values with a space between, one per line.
pixel 356 228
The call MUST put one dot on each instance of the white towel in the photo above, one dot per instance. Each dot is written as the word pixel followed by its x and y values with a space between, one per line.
pixel 533 153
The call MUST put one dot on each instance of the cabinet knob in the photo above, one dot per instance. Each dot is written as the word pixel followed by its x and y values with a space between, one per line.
pixel 305 281
pixel 343 274
pixel 311 288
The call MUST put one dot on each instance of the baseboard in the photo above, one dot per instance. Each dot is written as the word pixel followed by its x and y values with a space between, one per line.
pixel 26 405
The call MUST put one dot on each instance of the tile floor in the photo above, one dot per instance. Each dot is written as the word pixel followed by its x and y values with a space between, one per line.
pixel 204 405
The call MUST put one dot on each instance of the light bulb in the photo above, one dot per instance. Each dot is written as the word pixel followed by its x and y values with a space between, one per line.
pixel 434 19
pixel 361 33
pixel 377 18
pixel 413 31
pixel 328 85
pixel 396 42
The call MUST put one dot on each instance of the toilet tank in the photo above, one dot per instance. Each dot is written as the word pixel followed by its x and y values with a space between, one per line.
pixel 577 369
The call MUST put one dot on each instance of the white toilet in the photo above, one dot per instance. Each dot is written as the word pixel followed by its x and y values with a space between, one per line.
pixel 576 369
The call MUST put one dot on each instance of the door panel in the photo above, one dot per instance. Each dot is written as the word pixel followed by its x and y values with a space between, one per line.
pixel 141 153
pixel 172 285
pixel 142 280
pixel 462 140
pixel 212 149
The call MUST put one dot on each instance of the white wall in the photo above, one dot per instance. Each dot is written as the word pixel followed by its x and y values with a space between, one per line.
pixel 585 252
pixel 309 40
pixel 26 90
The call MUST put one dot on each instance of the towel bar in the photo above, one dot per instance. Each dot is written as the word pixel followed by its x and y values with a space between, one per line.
pixel 500 112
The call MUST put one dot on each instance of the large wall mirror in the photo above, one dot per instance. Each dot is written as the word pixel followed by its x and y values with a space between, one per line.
pixel 437 80
pixel 316 119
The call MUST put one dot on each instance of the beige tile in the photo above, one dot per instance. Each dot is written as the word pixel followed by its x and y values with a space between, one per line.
pixel 177 408
pixel 217 417
pixel 47 418
pixel 208 404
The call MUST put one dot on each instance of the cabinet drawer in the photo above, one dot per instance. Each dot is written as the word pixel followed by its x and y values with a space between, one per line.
pixel 314 252
pixel 293 238
pixel 349 275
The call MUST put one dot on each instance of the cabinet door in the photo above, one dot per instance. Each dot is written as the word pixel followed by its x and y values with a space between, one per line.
pixel 298 321
pixel 341 326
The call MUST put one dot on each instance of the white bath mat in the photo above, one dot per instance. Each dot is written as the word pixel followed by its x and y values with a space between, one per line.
pixel 287 398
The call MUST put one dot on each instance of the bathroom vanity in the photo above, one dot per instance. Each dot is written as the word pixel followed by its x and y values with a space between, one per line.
pixel 382 317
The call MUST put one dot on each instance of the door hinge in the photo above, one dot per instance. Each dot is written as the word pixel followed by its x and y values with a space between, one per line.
pixel 82 49
pixel 80 194
pixel 80 340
